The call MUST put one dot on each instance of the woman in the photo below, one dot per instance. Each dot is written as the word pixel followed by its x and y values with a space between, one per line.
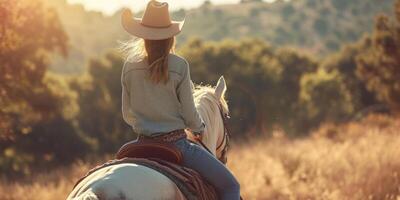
pixel 157 94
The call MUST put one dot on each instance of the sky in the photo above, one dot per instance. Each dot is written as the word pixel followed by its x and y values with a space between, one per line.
pixel 108 7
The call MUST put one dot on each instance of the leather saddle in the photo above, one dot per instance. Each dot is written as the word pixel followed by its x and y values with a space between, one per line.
pixel 150 149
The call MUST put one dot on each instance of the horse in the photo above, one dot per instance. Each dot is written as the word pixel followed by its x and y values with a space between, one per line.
pixel 132 181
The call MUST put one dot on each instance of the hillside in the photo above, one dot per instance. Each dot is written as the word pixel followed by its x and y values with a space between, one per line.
pixel 317 26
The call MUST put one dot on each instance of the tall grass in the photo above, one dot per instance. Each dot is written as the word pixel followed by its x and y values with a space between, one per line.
pixel 356 161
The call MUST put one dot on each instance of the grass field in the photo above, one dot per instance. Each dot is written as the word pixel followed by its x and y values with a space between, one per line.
pixel 356 161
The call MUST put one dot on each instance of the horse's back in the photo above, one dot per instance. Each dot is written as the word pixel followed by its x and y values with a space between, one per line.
pixel 127 181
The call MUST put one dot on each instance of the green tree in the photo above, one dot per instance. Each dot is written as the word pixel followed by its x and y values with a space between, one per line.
pixel 99 92
pixel 341 4
pixel 379 65
pixel 264 83
pixel 321 26
pixel 294 66
pixel 344 63
pixel 235 61
pixel 29 33
pixel 36 108
pixel 325 98
pixel 249 1
pixel 287 11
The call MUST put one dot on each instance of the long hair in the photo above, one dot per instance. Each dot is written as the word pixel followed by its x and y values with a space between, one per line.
pixel 155 52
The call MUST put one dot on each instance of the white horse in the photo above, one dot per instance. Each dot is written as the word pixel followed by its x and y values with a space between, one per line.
pixel 131 181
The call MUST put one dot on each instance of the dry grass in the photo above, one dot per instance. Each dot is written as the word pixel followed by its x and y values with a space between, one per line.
pixel 354 161
pixel 52 186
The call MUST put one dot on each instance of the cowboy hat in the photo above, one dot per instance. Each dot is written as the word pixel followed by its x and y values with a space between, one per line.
pixel 155 23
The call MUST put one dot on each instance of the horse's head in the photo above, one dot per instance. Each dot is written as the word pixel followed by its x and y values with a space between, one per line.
pixel 212 106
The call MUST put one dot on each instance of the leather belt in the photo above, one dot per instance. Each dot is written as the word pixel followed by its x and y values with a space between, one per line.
pixel 165 137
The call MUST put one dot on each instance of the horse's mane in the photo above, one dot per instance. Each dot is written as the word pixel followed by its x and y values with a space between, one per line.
pixel 208 106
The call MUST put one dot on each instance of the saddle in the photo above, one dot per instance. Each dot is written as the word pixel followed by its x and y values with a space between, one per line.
pixel 150 149
pixel 154 147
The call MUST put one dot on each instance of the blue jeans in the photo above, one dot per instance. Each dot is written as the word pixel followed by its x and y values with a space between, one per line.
pixel 197 158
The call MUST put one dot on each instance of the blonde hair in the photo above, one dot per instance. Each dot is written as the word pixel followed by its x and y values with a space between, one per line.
pixel 155 52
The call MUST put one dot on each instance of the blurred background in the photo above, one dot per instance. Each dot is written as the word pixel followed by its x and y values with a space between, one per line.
pixel 313 90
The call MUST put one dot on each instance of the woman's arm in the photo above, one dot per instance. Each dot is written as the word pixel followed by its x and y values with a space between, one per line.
pixel 185 96
pixel 126 115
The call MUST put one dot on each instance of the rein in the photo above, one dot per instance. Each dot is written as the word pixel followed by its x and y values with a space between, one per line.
pixel 225 117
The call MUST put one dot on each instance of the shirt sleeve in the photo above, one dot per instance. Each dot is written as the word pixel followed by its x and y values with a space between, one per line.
pixel 185 95
pixel 126 108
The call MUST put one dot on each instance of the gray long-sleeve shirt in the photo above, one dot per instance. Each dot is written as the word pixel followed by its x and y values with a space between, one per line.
pixel 159 108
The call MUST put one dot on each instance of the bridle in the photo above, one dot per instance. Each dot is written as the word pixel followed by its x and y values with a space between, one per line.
pixel 227 135
pixel 225 139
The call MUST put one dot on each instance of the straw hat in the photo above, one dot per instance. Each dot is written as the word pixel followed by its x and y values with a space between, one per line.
pixel 155 23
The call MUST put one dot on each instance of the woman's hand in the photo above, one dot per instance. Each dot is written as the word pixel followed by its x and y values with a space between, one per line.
pixel 198 136
pixel 194 135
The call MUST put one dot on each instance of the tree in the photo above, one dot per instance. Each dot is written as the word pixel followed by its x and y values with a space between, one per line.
pixel 325 98
pixel 264 82
pixel 29 33
pixel 234 60
pixel 99 98
pixel 36 107
pixel 207 3
pixel 321 26
pixel 344 64
pixel 288 105
pixel 287 11
pixel 249 1
pixel 340 4
pixel 379 65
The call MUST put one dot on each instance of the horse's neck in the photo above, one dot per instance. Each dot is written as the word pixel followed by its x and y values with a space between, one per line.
pixel 211 133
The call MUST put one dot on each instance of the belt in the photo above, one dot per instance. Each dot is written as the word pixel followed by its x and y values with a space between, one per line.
pixel 165 137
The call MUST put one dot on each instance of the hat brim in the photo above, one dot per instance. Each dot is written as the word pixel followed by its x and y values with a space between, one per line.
pixel 134 27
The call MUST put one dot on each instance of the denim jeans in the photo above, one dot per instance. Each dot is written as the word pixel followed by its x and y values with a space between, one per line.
pixel 197 158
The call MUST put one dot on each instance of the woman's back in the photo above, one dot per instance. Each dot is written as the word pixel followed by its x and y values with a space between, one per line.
pixel 157 107
pixel 157 98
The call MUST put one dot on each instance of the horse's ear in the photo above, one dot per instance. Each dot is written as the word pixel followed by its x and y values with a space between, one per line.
pixel 220 88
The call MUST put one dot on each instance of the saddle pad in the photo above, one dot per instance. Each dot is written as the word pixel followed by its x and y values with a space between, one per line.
pixel 189 182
